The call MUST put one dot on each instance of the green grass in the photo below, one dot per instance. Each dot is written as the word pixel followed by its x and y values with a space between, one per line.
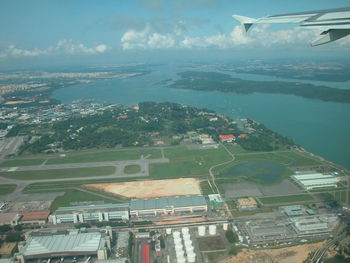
pixel 286 199
pixel 21 162
pixel 210 243
pixel 59 173
pixel 214 256
pixel 7 188
pixel 300 159
pixel 105 156
pixel 205 188
pixel 132 169
pixel 187 163
pixel 74 195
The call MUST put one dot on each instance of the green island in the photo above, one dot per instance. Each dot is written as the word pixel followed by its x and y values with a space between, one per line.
pixel 214 81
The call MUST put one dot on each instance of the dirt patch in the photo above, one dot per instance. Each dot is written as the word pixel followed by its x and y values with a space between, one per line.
pixel 296 254
pixel 151 188
pixel 7 248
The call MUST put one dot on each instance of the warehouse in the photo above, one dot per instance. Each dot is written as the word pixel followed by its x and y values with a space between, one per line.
pixel 81 214
pixel 168 205
pixel 64 244
pixel 311 180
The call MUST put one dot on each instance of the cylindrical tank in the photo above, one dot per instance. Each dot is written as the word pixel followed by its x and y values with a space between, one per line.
pixel 178 246
pixel 168 231
pixel 189 249
pixel 188 242
pixel 178 241
pixel 184 230
pixel 212 230
pixel 179 252
pixel 176 234
pixel 191 257
pixel 181 260
pixel 186 236
pixel 225 226
pixel 201 231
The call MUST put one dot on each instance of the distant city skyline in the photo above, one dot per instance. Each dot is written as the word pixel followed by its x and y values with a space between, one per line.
pixel 118 31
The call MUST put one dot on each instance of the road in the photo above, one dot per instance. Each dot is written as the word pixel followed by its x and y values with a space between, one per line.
pixel 213 176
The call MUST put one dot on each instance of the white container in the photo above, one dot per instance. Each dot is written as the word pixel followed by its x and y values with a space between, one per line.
pixel 180 253
pixel 225 226
pixel 191 257
pixel 212 230
pixel 178 246
pixel 178 241
pixel 168 231
pixel 201 231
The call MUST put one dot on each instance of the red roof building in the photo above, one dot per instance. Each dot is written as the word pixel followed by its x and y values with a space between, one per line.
pixel 146 253
pixel 243 135
pixel 227 138
pixel 35 217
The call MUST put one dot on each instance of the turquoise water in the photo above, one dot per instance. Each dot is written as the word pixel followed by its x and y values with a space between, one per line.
pixel 262 171
pixel 320 127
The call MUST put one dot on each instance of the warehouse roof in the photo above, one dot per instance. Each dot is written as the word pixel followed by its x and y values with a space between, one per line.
pixel 35 215
pixel 68 242
pixel 122 206
pixel 167 202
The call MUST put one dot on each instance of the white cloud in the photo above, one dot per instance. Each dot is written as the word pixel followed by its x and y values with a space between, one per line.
pixel 144 39
pixel 259 36
pixel 62 47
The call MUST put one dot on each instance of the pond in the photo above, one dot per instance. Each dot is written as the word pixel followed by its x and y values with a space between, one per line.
pixel 265 172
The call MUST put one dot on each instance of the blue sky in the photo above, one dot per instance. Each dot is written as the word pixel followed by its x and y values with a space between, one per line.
pixel 95 29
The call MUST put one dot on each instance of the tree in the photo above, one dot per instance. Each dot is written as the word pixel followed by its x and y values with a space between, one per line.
pixel 231 237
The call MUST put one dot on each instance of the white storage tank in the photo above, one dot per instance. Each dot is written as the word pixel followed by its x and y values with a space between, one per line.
pixel 176 234
pixel 191 257
pixel 184 230
pixel 212 230
pixel 186 236
pixel 188 242
pixel 225 226
pixel 189 249
pixel 201 231
pixel 168 231
pixel 178 241
pixel 179 253
pixel 181 259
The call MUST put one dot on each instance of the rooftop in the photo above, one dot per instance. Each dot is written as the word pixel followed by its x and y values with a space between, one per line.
pixel 73 241
pixel 36 215
pixel 122 206
pixel 167 202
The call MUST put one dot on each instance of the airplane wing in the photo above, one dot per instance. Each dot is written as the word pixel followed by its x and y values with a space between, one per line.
pixel 336 22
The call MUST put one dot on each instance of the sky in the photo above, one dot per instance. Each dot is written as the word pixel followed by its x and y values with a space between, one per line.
pixel 117 31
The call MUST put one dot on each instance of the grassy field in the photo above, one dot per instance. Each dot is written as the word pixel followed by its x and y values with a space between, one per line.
pixel 116 155
pixel 186 163
pixel 210 243
pixel 59 173
pixel 205 188
pixel 21 162
pixel 74 195
pixel 7 189
pixel 286 199
pixel 132 169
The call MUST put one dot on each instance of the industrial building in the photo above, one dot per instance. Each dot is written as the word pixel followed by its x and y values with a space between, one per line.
pixel 311 180
pixel 215 200
pixel 168 205
pixel 315 225
pixel 246 204
pixel 81 214
pixel 63 244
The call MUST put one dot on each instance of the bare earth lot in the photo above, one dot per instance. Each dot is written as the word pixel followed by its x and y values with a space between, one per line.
pixel 296 254
pixel 151 188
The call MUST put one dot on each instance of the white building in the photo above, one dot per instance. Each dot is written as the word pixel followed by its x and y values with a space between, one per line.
pixel 168 205
pixel 81 214
pixel 311 180
pixel 64 244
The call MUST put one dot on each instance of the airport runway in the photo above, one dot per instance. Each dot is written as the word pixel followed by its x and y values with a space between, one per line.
pixel 119 173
